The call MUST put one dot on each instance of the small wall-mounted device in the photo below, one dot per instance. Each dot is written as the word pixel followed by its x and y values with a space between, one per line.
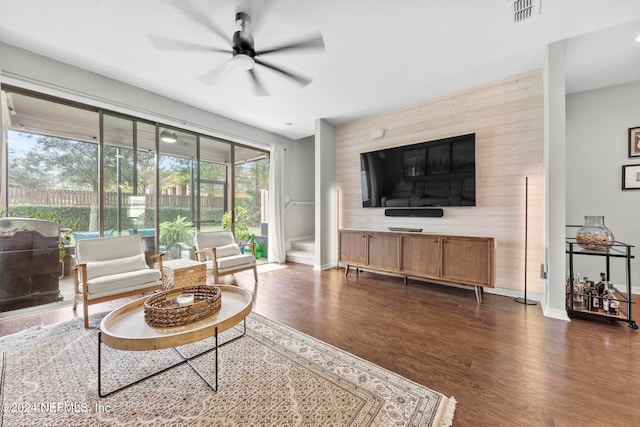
pixel 377 133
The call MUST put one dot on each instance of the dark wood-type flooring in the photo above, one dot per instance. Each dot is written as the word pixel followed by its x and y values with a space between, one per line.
pixel 505 363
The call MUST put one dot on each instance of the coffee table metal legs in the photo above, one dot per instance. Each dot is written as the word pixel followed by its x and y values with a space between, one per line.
pixel 185 359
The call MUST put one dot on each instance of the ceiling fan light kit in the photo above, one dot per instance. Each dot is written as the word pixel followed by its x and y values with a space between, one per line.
pixel 244 54
pixel 243 61
pixel 243 51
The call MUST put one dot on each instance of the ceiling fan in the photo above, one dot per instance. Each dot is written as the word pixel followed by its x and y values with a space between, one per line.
pixel 244 54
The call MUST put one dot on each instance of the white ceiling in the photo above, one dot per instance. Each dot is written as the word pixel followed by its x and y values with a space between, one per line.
pixel 379 54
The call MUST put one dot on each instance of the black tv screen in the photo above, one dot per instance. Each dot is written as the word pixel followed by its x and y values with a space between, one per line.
pixel 426 174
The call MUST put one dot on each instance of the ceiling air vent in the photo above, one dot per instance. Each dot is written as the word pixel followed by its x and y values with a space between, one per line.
pixel 523 10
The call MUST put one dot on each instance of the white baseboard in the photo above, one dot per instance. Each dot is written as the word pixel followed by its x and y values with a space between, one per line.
pixel 555 313
pixel 325 266
pixel 513 293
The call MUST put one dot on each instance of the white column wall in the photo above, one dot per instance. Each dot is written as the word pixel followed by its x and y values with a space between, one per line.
pixel 553 302
pixel 325 213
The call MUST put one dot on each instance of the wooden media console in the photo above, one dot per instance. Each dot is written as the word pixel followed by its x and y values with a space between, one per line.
pixel 439 258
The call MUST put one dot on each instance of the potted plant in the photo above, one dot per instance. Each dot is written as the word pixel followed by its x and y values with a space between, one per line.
pixel 241 228
pixel 172 233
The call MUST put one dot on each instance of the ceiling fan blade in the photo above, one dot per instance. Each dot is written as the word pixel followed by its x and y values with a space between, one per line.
pixel 315 42
pixel 201 17
pixel 298 78
pixel 209 77
pixel 258 87
pixel 164 43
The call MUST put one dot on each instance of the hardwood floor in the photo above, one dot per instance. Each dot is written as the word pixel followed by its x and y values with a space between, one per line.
pixel 505 363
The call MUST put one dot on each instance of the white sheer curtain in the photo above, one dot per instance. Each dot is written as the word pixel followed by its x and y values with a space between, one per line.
pixel 3 151
pixel 3 171
pixel 277 250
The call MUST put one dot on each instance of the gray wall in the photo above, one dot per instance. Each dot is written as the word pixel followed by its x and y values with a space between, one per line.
pixel 597 147
pixel 299 187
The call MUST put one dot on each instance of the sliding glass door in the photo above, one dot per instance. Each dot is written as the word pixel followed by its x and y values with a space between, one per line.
pixel 215 166
pixel 100 173
pixel 52 162
pixel 177 197
pixel 129 164
pixel 251 180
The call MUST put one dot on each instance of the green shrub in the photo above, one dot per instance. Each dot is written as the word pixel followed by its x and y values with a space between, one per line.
pixel 241 223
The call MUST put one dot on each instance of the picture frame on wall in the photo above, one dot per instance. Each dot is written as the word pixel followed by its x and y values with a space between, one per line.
pixel 634 142
pixel 631 177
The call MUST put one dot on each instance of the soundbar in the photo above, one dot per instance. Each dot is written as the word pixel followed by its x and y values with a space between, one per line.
pixel 407 229
pixel 421 212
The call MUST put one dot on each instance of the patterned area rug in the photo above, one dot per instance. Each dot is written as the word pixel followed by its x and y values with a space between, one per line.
pixel 274 376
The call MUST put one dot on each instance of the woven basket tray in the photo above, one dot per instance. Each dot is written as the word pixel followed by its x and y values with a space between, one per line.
pixel 162 310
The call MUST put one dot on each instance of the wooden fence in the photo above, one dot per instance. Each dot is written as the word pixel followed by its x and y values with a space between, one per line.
pixel 34 196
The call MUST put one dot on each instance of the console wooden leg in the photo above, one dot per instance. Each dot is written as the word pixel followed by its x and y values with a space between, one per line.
pixel 346 270
pixel 479 291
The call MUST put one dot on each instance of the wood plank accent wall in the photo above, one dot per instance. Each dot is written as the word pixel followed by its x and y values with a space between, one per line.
pixel 507 118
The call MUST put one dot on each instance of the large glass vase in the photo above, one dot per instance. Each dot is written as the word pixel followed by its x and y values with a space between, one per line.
pixel 594 235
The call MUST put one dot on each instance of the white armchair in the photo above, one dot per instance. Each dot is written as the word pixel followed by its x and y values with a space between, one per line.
pixel 111 268
pixel 222 254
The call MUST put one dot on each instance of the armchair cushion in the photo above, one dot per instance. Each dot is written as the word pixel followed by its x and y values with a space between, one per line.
pixel 116 266
pixel 227 251
pixel 114 284
pixel 228 257
pixel 225 263
pixel 108 249
pixel 213 239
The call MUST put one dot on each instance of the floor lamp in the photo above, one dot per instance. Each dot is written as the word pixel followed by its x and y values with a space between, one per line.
pixel 526 230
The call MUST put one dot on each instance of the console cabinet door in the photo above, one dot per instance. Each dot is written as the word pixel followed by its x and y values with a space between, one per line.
pixel 467 260
pixel 384 251
pixel 421 255
pixel 353 247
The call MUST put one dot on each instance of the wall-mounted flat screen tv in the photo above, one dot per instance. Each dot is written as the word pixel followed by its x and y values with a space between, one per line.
pixel 426 174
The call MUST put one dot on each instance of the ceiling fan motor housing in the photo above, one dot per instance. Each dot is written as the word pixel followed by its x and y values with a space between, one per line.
pixel 243 52
pixel 243 45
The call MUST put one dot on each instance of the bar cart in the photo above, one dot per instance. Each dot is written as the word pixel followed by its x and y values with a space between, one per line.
pixel 574 308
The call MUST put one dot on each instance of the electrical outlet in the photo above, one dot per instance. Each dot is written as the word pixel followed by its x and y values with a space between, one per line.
pixel 543 272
